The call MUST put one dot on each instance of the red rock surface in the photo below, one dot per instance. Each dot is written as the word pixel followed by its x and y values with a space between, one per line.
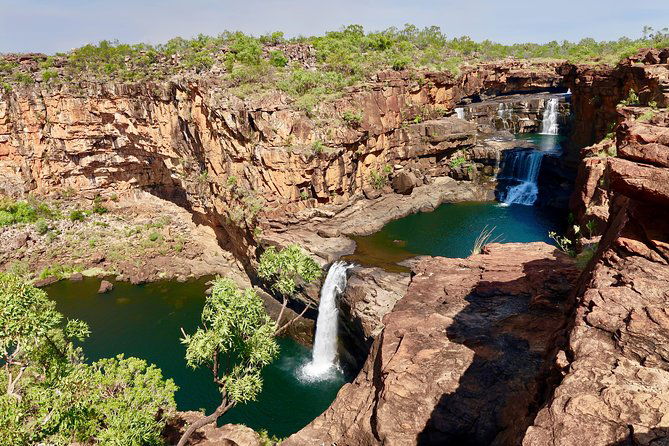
pixel 460 358
pixel 615 389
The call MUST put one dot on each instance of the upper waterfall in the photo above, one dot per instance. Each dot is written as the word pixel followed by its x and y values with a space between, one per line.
pixel 549 125
pixel 325 343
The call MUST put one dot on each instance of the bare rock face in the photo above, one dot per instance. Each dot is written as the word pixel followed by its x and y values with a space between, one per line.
pixel 615 389
pixel 460 358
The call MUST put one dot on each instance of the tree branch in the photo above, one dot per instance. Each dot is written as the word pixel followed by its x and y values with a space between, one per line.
pixel 283 328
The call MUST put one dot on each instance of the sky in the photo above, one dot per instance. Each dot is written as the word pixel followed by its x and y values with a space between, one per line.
pixel 59 25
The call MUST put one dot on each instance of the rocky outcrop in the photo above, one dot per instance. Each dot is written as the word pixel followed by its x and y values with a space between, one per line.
pixel 597 91
pixel 460 358
pixel 521 113
pixel 615 364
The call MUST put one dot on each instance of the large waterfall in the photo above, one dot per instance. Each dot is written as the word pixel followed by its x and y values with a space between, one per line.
pixel 325 343
pixel 521 171
pixel 549 125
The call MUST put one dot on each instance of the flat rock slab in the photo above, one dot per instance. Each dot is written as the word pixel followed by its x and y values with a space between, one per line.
pixel 461 356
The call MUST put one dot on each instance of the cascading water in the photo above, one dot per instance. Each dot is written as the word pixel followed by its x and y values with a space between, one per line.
pixel 325 343
pixel 460 112
pixel 522 168
pixel 549 125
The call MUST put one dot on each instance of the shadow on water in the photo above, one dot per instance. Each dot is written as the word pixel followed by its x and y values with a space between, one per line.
pixel 145 321
pixel 500 391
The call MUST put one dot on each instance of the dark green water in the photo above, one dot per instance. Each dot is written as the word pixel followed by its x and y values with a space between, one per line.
pixel 450 231
pixel 144 321
pixel 452 228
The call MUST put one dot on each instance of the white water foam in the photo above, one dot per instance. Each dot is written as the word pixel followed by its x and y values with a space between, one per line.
pixel 324 355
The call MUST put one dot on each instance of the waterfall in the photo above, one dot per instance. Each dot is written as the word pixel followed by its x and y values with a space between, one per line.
pixel 521 172
pixel 325 343
pixel 460 112
pixel 505 114
pixel 549 125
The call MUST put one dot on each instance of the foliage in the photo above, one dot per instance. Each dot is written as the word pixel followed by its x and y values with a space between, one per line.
pixel 278 59
pixel 59 271
pixel 457 162
pixel 98 207
pixel 631 99
pixel 42 226
pixel 318 147
pixel 646 116
pixel 24 211
pixel 287 268
pixel 563 243
pixel 379 179
pixel 52 397
pixel 77 215
pixel 352 117
pixel 236 341
pixel 484 238
pixel 48 75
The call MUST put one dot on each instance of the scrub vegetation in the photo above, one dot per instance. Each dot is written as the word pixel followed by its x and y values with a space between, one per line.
pixel 341 58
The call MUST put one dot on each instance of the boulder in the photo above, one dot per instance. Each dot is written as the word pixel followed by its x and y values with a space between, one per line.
pixel 76 277
pixel 404 182
pixel 45 282
pixel 105 287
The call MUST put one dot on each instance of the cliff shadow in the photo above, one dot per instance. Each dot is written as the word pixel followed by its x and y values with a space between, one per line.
pixel 512 328
pixel 655 437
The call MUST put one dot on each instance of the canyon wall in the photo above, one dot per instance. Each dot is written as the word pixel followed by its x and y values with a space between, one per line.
pixel 235 163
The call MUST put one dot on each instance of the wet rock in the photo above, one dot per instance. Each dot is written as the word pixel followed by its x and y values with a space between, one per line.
pixel 45 282
pixel 76 277
pixel 105 287
pixel 461 355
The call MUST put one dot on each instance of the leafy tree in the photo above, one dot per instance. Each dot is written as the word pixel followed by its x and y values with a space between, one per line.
pixel 286 268
pixel 52 397
pixel 235 341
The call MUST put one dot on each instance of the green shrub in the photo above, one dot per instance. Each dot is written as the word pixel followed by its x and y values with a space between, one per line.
pixel 98 207
pixel 317 147
pixel 352 117
pixel 278 59
pixel 154 236
pixel 379 179
pixel 48 75
pixel 24 211
pixel 59 271
pixel 457 162
pixel 23 78
pixel 77 215
pixel 42 226
pixel 57 398
pixel 286 268
pixel 631 99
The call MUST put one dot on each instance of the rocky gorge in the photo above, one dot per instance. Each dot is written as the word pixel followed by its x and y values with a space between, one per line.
pixel 513 345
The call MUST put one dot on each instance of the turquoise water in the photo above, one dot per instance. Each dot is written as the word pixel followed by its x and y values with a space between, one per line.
pixel 451 229
pixel 145 321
